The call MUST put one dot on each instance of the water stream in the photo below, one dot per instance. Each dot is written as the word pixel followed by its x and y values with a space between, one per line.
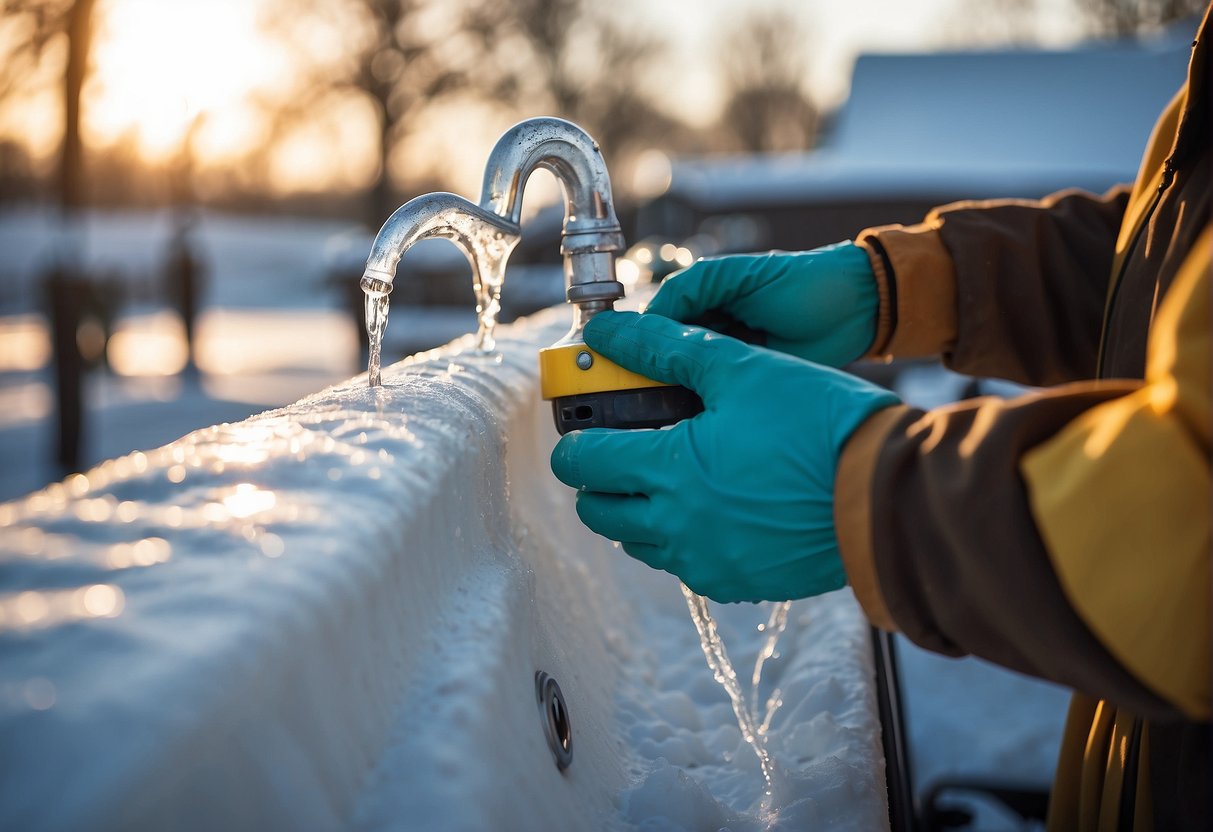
pixel 376 322
pixel 776 624
pixel 753 729
pixel 488 273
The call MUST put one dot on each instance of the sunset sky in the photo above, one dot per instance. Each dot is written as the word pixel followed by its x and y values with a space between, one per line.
pixel 160 64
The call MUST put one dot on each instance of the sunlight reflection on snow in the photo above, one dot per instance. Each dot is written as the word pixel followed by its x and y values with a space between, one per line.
pixel 148 345
pixel 248 480
pixel 145 552
pixel 25 343
pixel 24 403
pixel 250 342
pixel 35 609
pixel 247 500
pixel 257 484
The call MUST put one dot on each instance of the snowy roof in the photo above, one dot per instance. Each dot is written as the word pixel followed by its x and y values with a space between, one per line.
pixel 1017 122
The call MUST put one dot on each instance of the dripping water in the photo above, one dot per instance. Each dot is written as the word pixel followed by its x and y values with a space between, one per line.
pixel 488 275
pixel 376 302
pixel 777 622
pixel 753 730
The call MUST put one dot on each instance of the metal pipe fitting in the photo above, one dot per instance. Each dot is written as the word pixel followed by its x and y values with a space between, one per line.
pixel 591 236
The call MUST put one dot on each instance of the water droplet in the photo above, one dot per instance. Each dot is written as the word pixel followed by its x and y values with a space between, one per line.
pixel 376 309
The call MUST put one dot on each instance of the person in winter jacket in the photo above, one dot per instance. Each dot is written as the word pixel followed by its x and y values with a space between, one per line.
pixel 1064 533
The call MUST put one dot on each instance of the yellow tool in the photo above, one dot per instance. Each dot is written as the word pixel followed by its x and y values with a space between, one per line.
pixel 588 391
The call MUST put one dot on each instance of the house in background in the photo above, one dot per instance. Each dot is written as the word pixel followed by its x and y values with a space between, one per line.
pixel 920 130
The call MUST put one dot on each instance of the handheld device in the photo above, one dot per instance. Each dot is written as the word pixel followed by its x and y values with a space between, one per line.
pixel 590 391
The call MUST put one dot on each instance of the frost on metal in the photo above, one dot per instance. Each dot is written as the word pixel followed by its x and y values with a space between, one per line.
pixel 332 616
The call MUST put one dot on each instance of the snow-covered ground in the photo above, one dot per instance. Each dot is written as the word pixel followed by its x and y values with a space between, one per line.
pixel 964 717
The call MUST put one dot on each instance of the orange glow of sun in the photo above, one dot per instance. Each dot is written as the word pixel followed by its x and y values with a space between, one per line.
pixel 160 64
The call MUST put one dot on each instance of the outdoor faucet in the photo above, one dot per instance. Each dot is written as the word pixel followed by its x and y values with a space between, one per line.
pixel 591 237
pixel 585 388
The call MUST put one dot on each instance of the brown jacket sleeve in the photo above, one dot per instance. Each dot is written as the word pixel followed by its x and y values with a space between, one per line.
pixel 1012 289
pixel 937 535
pixel 1064 534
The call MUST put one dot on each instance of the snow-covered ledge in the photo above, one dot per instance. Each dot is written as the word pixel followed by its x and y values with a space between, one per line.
pixel 331 616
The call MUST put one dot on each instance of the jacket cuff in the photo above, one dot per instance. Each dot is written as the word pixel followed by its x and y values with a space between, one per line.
pixel 853 510
pixel 886 298
pixel 922 286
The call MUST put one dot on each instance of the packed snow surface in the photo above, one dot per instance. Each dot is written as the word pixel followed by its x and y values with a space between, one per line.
pixel 331 616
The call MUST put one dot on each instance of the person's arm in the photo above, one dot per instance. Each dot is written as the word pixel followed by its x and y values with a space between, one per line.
pixel 1013 289
pixel 1064 534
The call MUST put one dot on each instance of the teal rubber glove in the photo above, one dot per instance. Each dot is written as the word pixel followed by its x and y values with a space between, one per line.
pixel 738 501
pixel 820 305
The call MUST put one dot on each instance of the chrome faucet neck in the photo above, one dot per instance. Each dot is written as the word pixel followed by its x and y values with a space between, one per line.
pixel 443 215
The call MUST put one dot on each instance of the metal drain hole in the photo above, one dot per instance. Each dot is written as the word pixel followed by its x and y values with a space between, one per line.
pixel 554 714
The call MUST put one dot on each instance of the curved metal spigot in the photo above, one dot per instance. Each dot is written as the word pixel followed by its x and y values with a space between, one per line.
pixel 483 236
pixel 488 232
pixel 591 235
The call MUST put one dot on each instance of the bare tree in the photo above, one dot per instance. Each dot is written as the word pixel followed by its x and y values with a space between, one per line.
pixel 41 21
pixel 1018 21
pixel 66 285
pixel 992 22
pixel 525 57
pixel 18 180
pixel 402 57
pixel 1121 18
pixel 45 22
pixel 767 105
pixel 79 39
pixel 573 59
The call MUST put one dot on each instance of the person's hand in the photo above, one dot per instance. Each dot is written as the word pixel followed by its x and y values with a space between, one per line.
pixel 737 501
pixel 820 305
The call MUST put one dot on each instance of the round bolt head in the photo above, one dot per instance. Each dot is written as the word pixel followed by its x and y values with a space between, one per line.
pixel 585 360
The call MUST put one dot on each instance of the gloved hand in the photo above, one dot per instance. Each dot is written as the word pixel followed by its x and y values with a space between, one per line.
pixel 737 501
pixel 820 305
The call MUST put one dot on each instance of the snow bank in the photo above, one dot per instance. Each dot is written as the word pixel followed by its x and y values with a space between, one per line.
pixel 330 616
